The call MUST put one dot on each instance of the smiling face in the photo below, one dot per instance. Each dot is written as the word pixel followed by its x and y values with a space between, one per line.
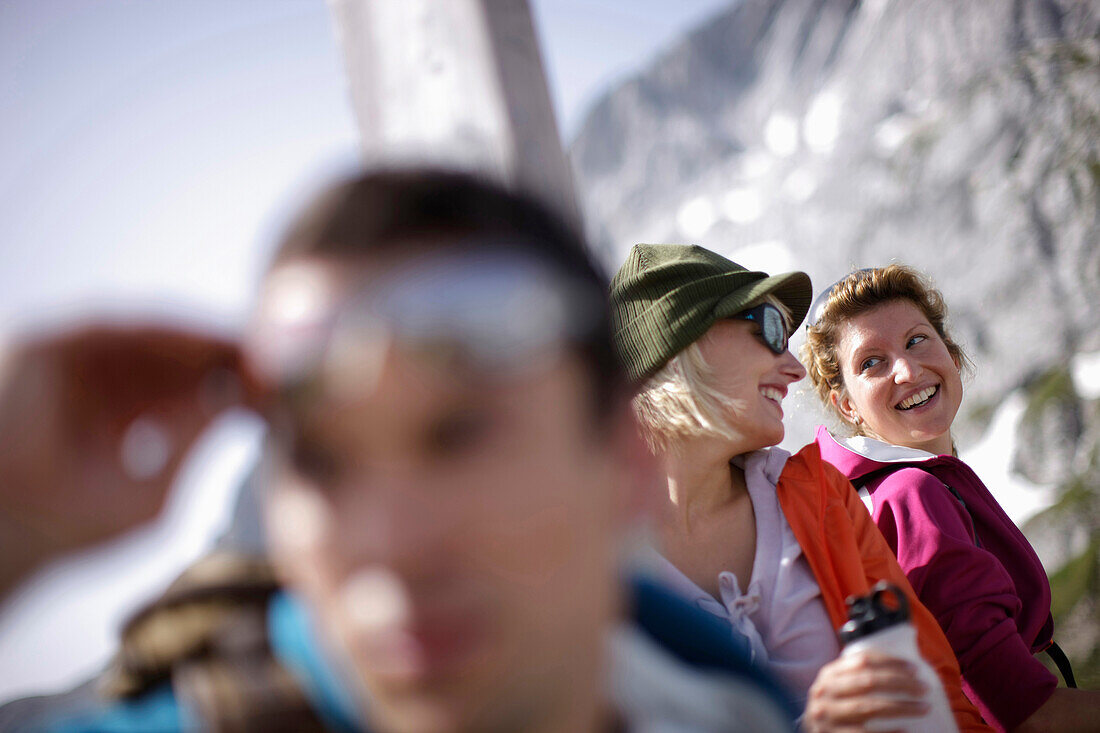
pixel 901 384
pixel 752 378
pixel 453 530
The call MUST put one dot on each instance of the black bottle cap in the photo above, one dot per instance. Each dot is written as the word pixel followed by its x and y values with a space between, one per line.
pixel 886 606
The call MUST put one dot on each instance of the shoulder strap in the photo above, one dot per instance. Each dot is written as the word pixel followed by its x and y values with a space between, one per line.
pixel 1062 662
pixel 700 640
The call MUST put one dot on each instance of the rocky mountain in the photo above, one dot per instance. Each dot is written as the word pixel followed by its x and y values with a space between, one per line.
pixel 959 137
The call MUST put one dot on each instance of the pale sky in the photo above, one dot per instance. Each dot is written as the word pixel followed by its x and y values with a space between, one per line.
pixel 147 147
pixel 147 151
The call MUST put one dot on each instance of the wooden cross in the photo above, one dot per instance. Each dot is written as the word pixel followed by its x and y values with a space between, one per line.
pixel 456 83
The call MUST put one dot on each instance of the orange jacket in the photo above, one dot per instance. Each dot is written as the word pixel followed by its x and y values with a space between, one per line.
pixel 848 555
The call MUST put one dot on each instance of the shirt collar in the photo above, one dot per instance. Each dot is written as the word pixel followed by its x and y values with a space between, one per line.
pixel 877 450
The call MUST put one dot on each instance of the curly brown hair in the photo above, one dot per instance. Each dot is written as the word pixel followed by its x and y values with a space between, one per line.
pixel 858 292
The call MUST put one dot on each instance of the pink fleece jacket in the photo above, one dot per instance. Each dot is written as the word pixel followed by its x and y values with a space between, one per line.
pixel 970 565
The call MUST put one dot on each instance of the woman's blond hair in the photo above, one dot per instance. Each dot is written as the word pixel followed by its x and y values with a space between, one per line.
pixel 859 292
pixel 682 400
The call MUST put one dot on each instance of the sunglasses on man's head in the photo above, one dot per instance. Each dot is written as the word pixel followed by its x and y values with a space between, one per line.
pixel 488 312
pixel 773 328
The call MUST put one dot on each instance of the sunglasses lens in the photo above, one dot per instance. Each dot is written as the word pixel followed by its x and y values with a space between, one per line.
pixel 774 330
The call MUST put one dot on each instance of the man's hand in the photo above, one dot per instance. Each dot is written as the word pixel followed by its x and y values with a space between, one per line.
pixel 94 422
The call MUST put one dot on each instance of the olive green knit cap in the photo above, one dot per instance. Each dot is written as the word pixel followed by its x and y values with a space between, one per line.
pixel 666 296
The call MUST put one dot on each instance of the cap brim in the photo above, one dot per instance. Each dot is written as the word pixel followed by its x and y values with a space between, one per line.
pixel 792 289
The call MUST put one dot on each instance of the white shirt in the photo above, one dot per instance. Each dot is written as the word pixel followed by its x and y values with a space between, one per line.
pixel 780 611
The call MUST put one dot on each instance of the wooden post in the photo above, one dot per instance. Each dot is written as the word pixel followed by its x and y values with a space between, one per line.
pixel 457 83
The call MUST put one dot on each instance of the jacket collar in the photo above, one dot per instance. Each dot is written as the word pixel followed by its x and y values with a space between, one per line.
pixel 860 455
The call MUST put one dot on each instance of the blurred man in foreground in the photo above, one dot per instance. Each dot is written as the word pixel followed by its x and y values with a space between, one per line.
pixel 452 472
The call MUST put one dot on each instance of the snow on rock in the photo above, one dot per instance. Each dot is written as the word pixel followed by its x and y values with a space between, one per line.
pixel 991 458
pixel 1085 369
pixel 696 217
pixel 771 256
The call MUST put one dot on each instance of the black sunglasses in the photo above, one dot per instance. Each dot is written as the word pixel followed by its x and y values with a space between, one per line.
pixel 773 328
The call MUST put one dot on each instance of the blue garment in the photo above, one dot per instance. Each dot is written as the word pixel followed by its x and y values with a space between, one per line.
pixel 695 651
pixel 700 639
pixel 295 644
pixel 156 711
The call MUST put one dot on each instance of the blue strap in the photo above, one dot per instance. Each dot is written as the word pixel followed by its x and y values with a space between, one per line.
pixel 700 639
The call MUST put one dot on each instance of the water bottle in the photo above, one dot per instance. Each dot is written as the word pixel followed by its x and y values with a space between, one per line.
pixel 882 625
